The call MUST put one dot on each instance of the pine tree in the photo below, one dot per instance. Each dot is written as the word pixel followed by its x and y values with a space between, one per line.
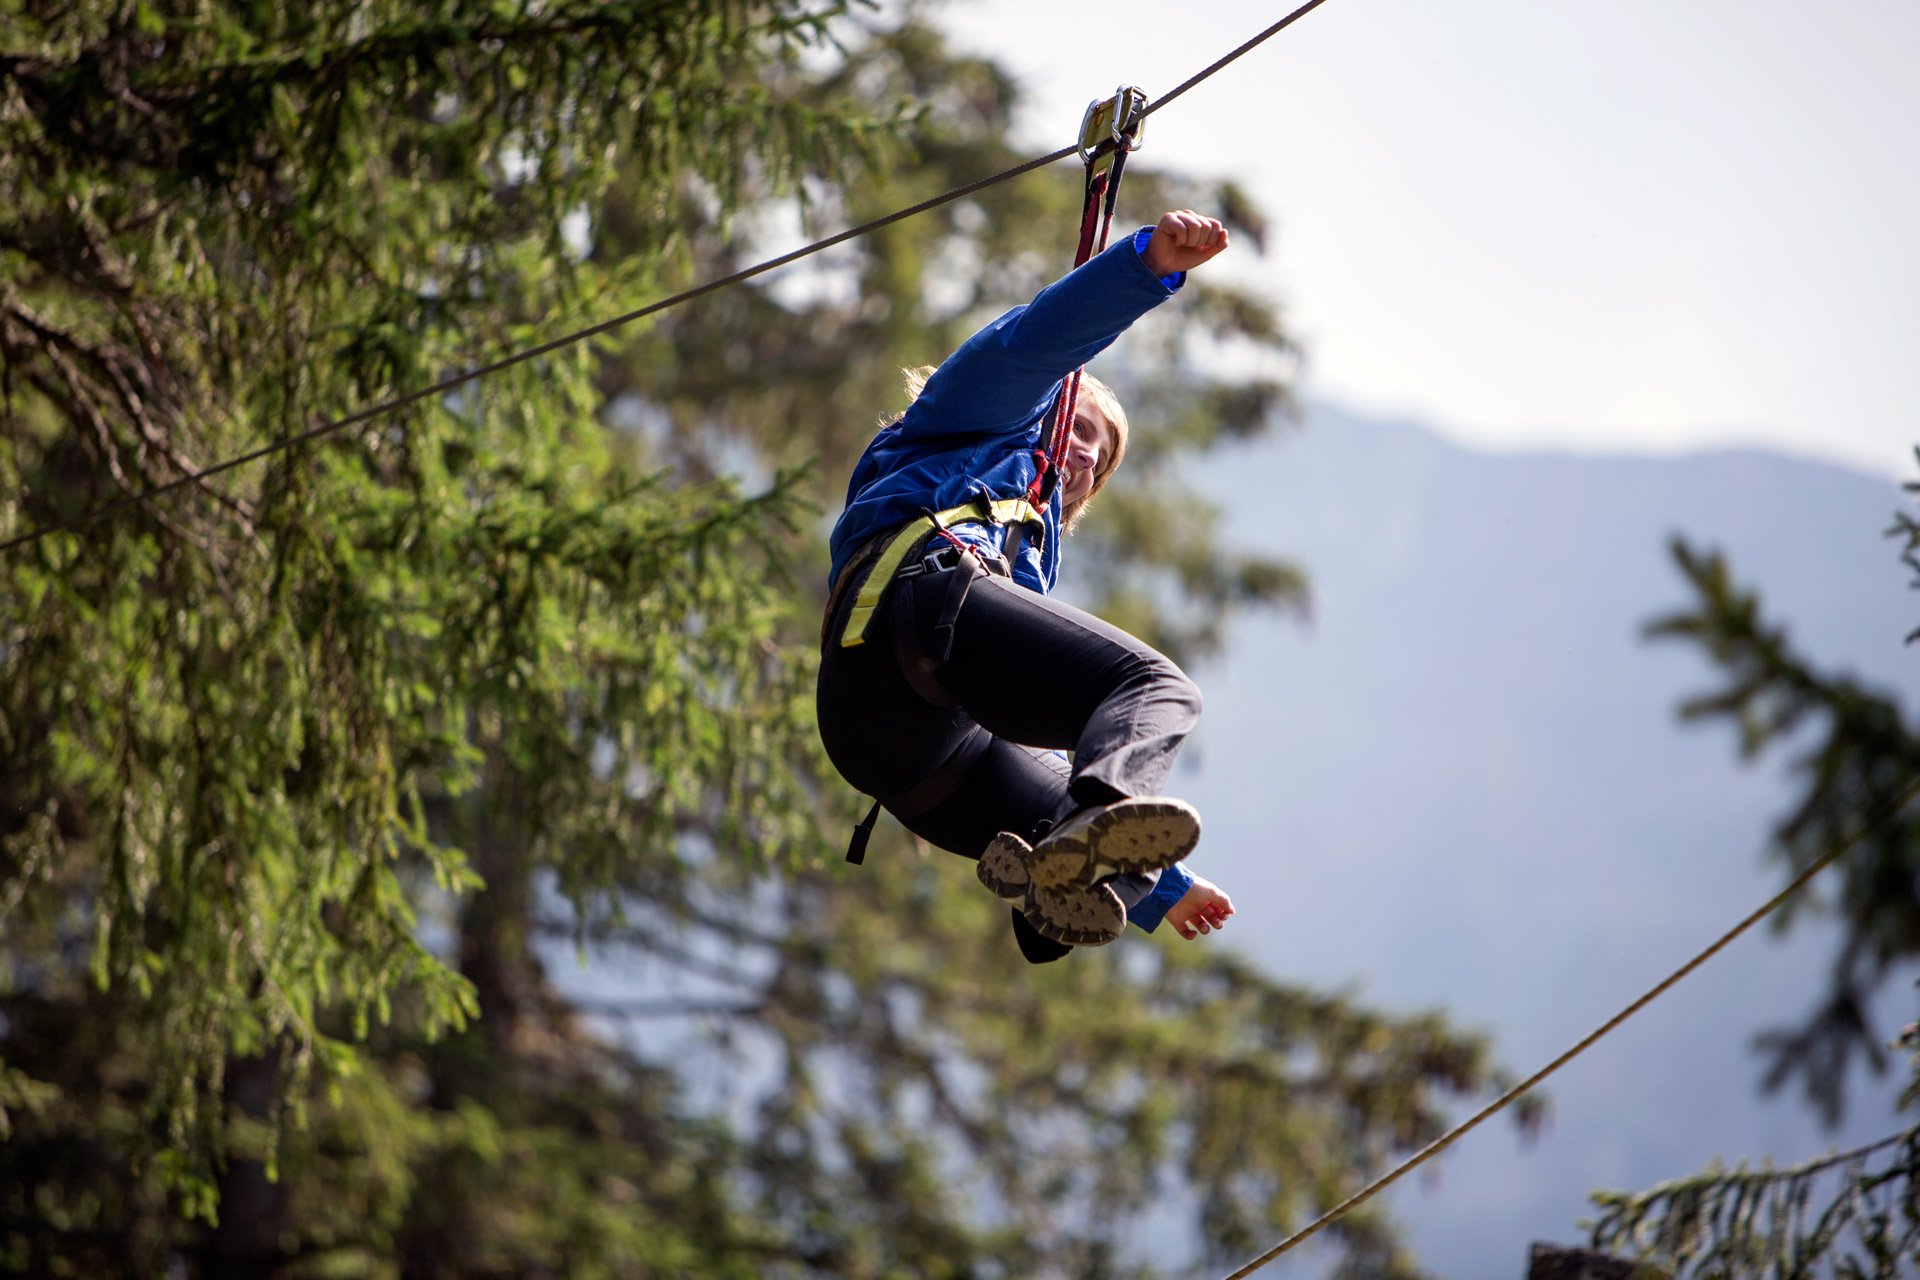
pixel 1856 1214
pixel 230 716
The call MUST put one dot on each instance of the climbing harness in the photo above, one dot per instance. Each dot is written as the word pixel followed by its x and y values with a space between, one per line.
pixel 1109 131
pixel 888 555
pixel 876 570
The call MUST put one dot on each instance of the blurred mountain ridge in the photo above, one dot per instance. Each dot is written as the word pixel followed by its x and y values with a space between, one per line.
pixel 1464 783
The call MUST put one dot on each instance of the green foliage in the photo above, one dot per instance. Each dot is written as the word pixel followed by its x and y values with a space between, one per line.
pixel 911 1057
pixel 1861 767
pixel 225 716
pixel 317 780
pixel 1722 1224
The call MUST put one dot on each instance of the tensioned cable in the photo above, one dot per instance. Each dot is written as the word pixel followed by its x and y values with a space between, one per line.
pixel 1268 34
pixel 1500 1103
pixel 534 353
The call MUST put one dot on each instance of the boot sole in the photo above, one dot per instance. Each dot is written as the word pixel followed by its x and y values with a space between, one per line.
pixel 1085 917
pixel 1132 837
pixel 1003 867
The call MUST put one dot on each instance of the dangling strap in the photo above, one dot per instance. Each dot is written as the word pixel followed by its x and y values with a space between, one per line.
pixel 857 847
pixel 930 791
pixel 1108 132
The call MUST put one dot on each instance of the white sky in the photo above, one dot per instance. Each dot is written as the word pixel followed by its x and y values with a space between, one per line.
pixel 1638 224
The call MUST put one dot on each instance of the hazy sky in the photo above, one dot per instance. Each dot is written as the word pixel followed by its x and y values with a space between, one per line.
pixel 1638 224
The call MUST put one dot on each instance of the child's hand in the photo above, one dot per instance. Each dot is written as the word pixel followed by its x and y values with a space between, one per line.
pixel 1202 909
pixel 1181 241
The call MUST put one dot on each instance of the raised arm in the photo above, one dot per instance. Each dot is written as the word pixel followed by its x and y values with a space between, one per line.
pixel 1000 375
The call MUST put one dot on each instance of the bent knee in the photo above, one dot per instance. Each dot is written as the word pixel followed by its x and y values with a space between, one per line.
pixel 1182 688
pixel 1162 680
pixel 1191 692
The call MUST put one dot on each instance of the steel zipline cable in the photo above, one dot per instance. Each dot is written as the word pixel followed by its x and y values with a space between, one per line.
pixel 1514 1094
pixel 1246 48
pixel 533 353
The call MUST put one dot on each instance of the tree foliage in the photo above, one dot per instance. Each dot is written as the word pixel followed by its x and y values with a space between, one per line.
pixel 321 778
pixel 1860 762
pixel 1855 1214
pixel 227 716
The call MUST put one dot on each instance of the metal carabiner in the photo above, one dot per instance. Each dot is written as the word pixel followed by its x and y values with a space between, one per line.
pixel 1120 120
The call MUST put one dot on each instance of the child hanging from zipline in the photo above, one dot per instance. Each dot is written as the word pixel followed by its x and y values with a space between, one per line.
pixel 950 681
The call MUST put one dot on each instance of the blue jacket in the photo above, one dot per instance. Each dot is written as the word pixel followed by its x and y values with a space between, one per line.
pixel 973 430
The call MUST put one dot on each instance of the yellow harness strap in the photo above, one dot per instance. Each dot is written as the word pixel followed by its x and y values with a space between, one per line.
pixel 1005 511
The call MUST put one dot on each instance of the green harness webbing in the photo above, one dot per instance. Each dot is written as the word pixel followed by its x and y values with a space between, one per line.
pixel 909 538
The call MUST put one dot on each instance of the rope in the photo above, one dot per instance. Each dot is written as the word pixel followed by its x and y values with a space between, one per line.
pixel 1512 1095
pixel 1096 224
pixel 534 353
pixel 1248 47
pixel 508 362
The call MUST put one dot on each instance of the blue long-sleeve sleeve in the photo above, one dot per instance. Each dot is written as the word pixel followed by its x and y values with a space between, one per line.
pixel 972 431
pixel 1004 377
pixel 1152 909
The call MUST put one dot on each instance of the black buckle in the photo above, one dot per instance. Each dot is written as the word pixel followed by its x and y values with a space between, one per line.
pixel 940 559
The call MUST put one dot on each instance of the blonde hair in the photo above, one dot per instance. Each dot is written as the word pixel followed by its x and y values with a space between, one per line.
pixel 1093 391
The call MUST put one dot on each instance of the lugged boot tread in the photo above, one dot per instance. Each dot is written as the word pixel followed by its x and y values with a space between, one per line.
pixel 1090 916
pixel 1003 867
pixel 1132 836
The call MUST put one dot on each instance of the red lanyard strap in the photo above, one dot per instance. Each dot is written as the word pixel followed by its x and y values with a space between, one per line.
pixel 1108 132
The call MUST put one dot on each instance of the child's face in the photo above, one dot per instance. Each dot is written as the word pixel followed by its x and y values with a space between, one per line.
pixel 1092 445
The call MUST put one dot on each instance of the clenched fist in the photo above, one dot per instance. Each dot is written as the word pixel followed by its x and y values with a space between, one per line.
pixel 1181 241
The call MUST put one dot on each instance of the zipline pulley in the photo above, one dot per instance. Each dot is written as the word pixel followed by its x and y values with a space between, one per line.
pixel 1109 132
pixel 1119 120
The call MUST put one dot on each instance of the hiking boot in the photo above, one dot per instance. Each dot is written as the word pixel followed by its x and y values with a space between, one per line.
pixel 1088 916
pixel 1080 915
pixel 1134 836
pixel 1003 868
pixel 1036 949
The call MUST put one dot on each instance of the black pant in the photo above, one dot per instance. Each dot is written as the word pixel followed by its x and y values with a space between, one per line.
pixel 1025 675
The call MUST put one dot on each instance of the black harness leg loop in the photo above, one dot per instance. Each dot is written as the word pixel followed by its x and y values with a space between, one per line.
pixel 959 582
pixel 920 660
pixel 857 847
pixel 932 790
pixel 1016 537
